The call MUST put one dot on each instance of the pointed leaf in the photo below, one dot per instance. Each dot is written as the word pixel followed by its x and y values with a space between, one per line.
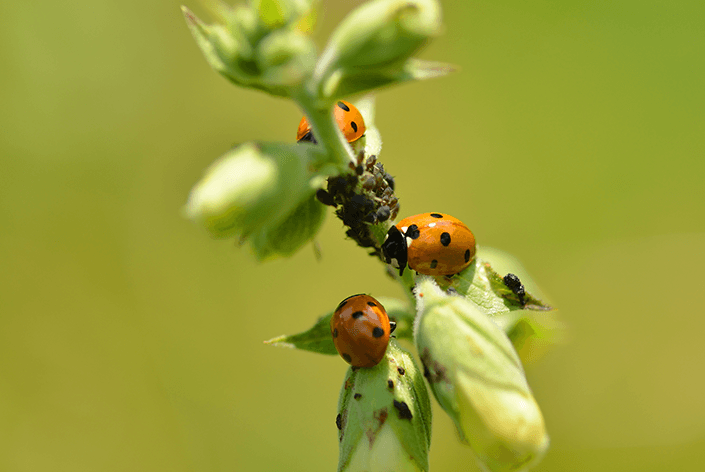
pixel 317 339
pixel 353 81
pixel 284 239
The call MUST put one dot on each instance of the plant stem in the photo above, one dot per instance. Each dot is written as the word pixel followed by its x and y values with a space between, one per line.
pixel 325 129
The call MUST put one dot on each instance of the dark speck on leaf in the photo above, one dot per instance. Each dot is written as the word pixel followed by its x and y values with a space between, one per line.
pixel 403 410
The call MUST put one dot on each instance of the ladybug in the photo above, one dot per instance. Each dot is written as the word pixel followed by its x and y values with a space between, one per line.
pixel 430 243
pixel 361 328
pixel 349 121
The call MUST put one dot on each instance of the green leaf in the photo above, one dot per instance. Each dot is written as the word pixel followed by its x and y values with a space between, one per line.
pixel 202 33
pixel 400 312
pixel 258 48
pixel 384 416
pixel 253 187
pixel 317 339
pixel 357 80
pixel 378 34
pixel 284 239
pixel 272 12
pixel 534 327
pixel 485 287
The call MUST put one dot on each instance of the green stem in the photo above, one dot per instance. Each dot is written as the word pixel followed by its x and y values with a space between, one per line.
pixel 325 129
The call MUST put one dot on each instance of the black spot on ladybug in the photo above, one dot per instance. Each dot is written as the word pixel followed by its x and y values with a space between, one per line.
pixel 436 215
pixel 403 410
pixel 343 106
pixel 467 255
pixel 357 396
pixel 371 303
pixel 346 357
pixel 401 370
pixel 377 332
pixel 335 332
pixel 354 126
pixel 434 263
pixel 445 239
pixel 357 314
pixel 413 232
pixel 390 383
pixel 339 422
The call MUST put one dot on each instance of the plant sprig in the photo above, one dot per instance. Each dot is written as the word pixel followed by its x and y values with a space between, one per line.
pixel 467 328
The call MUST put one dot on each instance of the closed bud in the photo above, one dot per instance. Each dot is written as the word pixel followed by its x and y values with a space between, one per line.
pixel 253 186
pixel 477 377
pixel 262 45
pixel 285 58
pixel 384 420
pixel 379 35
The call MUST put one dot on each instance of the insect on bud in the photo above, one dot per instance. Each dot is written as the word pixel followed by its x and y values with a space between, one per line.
pixel 384 416
pixel 477 377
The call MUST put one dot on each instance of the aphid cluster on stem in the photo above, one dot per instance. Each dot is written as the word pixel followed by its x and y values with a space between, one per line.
pixel 362 198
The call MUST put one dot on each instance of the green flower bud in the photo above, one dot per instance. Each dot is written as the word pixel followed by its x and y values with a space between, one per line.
pixel 285 58
pixel 384 418
pixel 254 186
pixel 379 35
pixel 262 46
pixel 287 237
pixel 276 13
pixel 477 377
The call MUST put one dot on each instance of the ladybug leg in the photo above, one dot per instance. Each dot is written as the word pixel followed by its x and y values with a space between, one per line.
pixel 514 284
pixel 392 326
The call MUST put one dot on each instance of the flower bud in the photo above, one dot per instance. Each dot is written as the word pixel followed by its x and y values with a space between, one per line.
pixel 285 58
pixel 384 418
pixel 253 186
pixel 261 45
pixel 378 35
pixel 287 237
pixel 477 377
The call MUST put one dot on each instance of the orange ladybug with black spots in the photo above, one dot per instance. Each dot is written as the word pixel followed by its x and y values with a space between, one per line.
pixel 349 121
pixel 430 244
pixel 361 328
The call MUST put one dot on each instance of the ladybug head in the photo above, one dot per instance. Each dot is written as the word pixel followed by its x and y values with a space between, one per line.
pixel 394 249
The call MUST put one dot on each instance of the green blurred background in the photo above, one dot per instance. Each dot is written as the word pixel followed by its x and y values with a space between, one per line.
pixel 572 137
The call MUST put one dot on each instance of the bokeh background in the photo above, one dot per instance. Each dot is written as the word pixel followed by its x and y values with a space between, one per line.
pixel 572 137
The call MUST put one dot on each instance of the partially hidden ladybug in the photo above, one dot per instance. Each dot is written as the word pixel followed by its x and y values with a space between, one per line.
pixel 349 121
pixel 361 328
pixel 430 244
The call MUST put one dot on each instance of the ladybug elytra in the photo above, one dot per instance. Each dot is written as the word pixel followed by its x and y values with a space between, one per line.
pixel 430 244
pixel 361 328
pixel 349 121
